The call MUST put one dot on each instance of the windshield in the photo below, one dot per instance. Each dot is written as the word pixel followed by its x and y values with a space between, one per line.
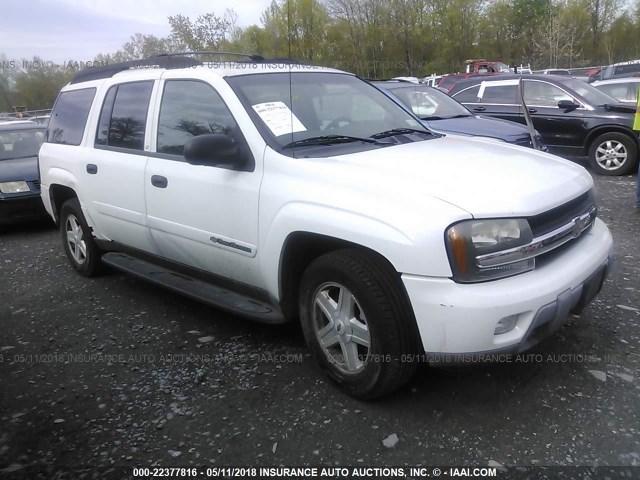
pixel 292 107
pixel 20 143
pixel 429 103
pixel 592 95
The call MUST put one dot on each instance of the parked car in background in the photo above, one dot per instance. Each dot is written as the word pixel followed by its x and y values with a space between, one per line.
pixel 19 179
pixel 623 89
pixel 618 70
pixel 573 117
pixel 441 113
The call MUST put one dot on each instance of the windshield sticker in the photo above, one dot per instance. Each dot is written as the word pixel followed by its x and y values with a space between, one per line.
pixel 279 118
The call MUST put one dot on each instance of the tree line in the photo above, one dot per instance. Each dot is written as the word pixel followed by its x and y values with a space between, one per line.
pixel 385 38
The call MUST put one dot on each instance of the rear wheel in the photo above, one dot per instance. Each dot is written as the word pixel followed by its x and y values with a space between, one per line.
pixel 357 322
pixel 613 153
pixel 77 240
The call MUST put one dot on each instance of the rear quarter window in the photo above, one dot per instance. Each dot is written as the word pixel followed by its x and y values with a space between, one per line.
pixel 69 116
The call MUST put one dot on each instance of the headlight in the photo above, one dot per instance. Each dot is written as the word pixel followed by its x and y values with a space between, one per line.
pixel 14 187
pixel 471 245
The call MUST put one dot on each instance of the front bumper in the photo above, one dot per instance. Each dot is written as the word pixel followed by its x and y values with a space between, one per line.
pixel 21 208
pixel 462 318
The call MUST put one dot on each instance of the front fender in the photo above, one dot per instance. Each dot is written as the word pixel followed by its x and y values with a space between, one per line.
pixel 405 251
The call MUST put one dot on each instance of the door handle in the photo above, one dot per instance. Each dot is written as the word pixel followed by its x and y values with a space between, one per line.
pixel 159 181
pixel 532 110
pixel 92 169
pixel 479 109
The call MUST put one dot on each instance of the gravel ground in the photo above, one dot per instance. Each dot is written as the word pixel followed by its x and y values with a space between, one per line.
pixel 112 371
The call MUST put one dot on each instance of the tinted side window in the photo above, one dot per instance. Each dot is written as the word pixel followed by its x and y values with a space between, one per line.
pixel 470 95
pixel 188 109
pixel 105 117
pixel 129 116
pixel 627 69
pixel 503 94
pixel 543 94
pixel 69 116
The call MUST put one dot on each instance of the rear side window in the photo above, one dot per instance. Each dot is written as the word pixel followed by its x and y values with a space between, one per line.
pixel 469 95
pixel 123 117
pixel 188 109
pixel 69 116
pixel 503 94
pixel 627 69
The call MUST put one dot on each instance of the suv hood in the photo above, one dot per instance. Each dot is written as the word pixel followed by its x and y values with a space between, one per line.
pixel 483 177
pixel 481 127
pixel 19 169
pixel 620 107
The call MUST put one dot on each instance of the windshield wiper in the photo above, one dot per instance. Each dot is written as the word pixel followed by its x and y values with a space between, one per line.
pixel 330 140
pixel 433 117
pixel 400 131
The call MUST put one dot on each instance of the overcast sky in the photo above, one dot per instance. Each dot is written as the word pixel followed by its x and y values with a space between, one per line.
pixel 61 30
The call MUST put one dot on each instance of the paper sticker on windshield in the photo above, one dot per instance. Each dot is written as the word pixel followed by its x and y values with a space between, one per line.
pixel 279 118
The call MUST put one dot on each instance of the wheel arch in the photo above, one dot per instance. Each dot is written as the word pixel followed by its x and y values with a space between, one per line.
pixel 59 194
pixel 602 129
pixel 299 250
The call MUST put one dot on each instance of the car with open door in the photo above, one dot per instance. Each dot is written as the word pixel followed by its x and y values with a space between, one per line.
pixel 441 113
pixel 574 118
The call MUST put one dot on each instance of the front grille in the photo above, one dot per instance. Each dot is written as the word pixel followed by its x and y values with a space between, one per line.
pixel 552 231
pixel 559 216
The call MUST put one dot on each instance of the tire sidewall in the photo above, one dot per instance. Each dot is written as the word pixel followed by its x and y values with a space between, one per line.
pixel 629 144
pixel 92 261
pixel 313 278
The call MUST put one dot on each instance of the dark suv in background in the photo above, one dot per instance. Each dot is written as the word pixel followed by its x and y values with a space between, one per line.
pixel 573 118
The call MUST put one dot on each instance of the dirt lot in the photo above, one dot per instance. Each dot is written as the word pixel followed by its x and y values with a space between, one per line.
pixel 112 371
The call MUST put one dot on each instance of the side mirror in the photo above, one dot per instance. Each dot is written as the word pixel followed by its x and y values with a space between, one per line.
pixel 567 105
pixel 215 149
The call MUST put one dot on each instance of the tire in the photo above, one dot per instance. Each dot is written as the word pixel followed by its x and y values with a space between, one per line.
pixel 77 240
pixel 613 153
pixel 377 314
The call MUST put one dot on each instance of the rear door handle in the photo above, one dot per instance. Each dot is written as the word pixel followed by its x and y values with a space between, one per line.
pixel 479 109
pixel 532 110
pixel 92 169
pixel 159 181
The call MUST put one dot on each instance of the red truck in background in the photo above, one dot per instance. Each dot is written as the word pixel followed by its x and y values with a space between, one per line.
pixel 480 65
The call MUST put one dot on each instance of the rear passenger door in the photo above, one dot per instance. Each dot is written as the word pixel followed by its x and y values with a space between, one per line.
pixel 499 99
pixel 202 216
pixel 114 172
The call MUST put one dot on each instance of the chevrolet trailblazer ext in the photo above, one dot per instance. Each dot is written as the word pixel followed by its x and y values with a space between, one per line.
pixel 280 192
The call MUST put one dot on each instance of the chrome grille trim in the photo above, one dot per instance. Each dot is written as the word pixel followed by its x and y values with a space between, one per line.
pixel 540 245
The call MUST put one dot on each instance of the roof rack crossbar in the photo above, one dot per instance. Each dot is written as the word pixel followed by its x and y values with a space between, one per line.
pixel 164 60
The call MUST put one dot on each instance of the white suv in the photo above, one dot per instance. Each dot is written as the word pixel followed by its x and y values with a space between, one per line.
pixel 280 192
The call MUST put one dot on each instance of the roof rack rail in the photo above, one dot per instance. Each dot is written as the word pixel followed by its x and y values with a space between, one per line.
pixel 164 60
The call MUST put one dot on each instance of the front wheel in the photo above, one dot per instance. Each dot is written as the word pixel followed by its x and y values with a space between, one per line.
pixel 358 323
pixel 613 153
pixel 77 240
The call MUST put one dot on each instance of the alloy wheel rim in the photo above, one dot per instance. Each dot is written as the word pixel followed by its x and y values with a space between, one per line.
pixel 611 155
pixel 75 239
pixel 341 328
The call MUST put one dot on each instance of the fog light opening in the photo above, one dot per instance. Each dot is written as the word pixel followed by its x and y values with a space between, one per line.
pixel 506 324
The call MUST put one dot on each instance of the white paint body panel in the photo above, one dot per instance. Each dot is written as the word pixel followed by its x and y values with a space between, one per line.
pixel 396 200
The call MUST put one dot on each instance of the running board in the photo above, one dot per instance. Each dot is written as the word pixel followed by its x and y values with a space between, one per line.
pixel 204 292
